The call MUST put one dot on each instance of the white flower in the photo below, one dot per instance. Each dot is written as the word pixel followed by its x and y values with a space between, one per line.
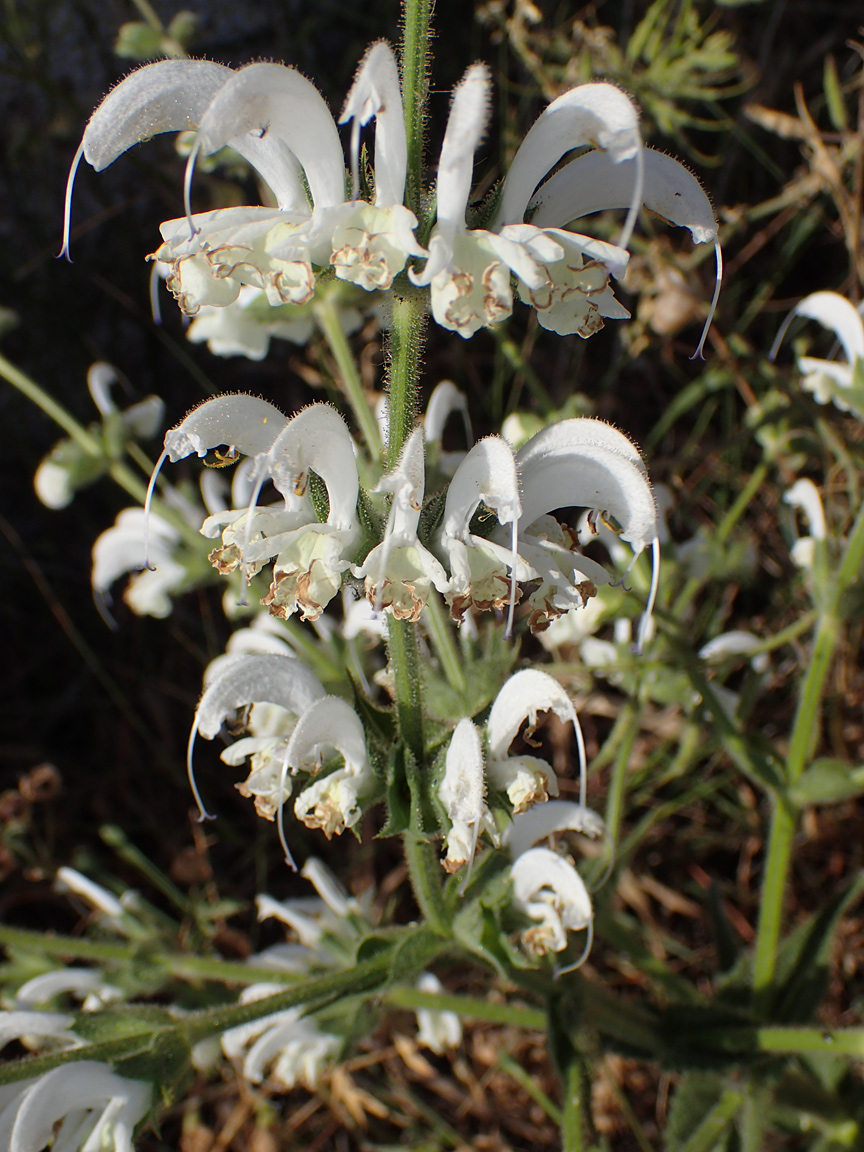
pixel 462 792
pixel 240 329
pixel 527 780
pixel 805 495
pixel 98 1109
pixel 244 679
pixel 446 399
pixel 604 179
pixel 332 803
pixel 70 880
pixel 288 1043
pixel 478 566
pixel 543 820
pixel 317 922
pixel 279 122
pixel 310 556
pixel 120 549
pixel 469 270
pixel 735 643
pixel 550 891
pixel 87 984
pixel 829 379
pixel 581 463
pixel 68 466
pixel 436 1029
pixel 399 571
pixel 37 1029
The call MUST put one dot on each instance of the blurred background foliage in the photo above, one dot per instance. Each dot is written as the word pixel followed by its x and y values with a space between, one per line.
pixel 764 101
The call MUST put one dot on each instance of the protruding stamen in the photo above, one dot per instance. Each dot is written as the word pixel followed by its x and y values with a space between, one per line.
pixel 187 187
pixel 784 328
pixel 583 758
pixel 355 159
pixel 67 207
pixel 718 279
pixel 648 614
pixel 155 310
pixel 280 817
pixel 514 556
pixel 203 814
pixel 148 500
pixel 558 972
pixel 635 203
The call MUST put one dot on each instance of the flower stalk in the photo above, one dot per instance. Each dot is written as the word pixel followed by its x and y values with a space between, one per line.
pixel 804 735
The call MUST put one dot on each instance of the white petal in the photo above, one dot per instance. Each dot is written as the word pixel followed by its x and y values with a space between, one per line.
pixel 257 678
pixel 487 473
pixel 317 438
pixel 42 988
pixel 168 96
pixel 523 695
pixel 735 643
pixel 539 869
pixel 834 312
pixel 270 99
pixel 586 463
pixel 15 1025
pixel 462 788
pixel 545 820
pixel 465 127
pixel 595 182
pixel 446 399
pixel 329 723
pixel 243 422
pixel 71 1087
pixel 376 92
pixel 805 495
pixel 598 114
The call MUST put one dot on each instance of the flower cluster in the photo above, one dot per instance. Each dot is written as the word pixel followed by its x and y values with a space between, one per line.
pixel 582 463
pixel 279 123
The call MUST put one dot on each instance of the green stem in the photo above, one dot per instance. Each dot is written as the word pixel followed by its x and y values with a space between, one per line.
pixel 441 635
pixel 177 964
pixel 528 1084
pixel 424 869
pixel 416 24
pixel 405 662
pixel 468 1007
pixel 629 721
pixel 724 530
pixel 404 352
pixel 327 315
pixel 573 1119
pixel 805 733
pixel 363 977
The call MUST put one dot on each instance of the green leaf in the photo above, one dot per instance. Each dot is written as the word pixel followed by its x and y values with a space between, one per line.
pixel 834 95
pixel 697 1094
pixel 724 934
pixel 138 41
pixel 804 957
pixel 827 781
